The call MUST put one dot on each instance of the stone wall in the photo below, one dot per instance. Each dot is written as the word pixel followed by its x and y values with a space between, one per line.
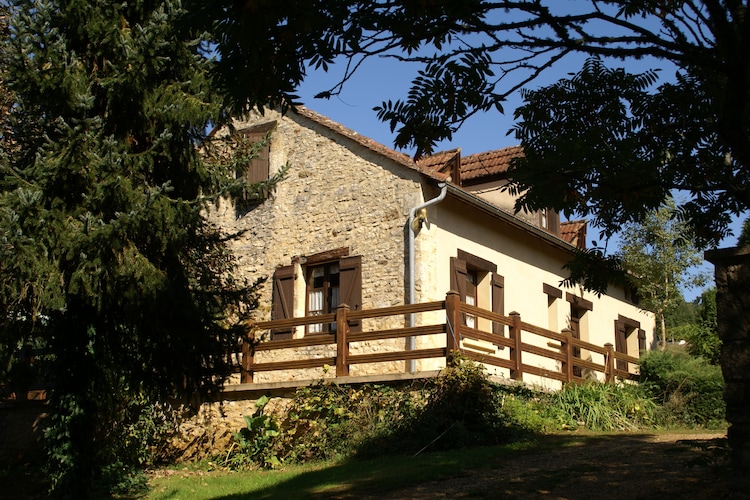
pixel 337 193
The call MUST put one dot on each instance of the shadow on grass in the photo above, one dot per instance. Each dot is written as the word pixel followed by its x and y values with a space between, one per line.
pixel 571 466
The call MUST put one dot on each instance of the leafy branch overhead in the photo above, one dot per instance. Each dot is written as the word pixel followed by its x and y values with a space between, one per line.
pixel 600 144
pixel 689 135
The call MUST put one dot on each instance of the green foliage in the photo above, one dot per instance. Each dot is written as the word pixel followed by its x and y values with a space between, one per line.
pixel 683 313
pixel 606 407
pixel 744 238
pixel 621 141
pixel 464 80
pixel 461 408
pixel 525 411
pixel 658 255
pixel 254 440
pixel 106 261
pixel 137 433
pixel 323 421
pixel 703 339
pixel 458 409
pixel 689 389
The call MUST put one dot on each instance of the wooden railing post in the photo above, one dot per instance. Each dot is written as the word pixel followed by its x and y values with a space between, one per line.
pixel 609 363
pixel 453 320
pixel 567 367
pixel 248 358
pixel 515 351
pixel 342 342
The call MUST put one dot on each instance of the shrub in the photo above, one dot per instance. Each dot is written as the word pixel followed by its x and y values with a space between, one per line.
pixel 461 408
pixel 689 389
pixel 525 411
pixel 253 442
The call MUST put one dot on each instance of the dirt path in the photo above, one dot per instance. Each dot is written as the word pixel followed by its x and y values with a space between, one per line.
pixel 624 466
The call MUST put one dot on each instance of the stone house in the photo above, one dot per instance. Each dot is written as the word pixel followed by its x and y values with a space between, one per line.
pixel 355 222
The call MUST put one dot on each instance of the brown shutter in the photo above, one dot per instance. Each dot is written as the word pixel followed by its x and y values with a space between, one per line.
pixel 258 168
pixel 575 327
pixel 641 340
pixel 283 299
pixel 498 301
pixel 350 286
pixel 621 343
pixel 553 222
pixel 459 276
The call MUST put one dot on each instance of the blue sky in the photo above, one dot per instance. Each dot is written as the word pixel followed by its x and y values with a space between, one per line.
pixel 382 79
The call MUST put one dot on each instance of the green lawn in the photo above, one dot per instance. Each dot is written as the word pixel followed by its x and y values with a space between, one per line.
pixel 384 476
pixel 374 477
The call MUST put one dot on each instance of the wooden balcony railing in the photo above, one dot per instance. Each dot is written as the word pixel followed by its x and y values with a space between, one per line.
pixel 519 343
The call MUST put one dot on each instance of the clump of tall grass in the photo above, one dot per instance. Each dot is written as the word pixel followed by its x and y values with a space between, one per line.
pixel 606 407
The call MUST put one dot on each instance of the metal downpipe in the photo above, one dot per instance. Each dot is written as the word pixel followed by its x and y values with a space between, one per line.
pixel 411 341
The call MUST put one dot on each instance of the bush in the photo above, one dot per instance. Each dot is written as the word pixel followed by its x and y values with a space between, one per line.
pixel 525 411
pixel 461 409
pixel 689 389
pixel 139 437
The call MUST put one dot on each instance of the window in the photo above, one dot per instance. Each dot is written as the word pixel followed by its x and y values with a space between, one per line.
pixel 331 278
pixel 549 220
pixel 322 294
pixel 471 296
pixel 477 283
pixel 259 168
pixel 578 324
pixel 628 338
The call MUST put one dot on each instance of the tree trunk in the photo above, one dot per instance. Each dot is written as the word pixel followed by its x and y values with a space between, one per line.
pixel 663 331
pixel 732 271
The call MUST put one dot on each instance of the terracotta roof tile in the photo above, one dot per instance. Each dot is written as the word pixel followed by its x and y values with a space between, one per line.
pixel 574 232
pixel 441 163
pixel 489 163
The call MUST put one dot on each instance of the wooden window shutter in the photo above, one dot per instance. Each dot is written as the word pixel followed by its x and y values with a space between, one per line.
pixel 283 299
pixel 258 170
pixel 498 301
pixel 350 283
pixel 621 343
pixel 641 340
pixel 553 222
pixel 459 276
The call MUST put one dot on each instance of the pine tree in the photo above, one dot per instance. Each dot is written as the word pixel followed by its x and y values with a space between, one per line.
pixel 105 259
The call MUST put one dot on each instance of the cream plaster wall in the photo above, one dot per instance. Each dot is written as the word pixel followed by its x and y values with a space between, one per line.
pixel 526 264
pixel 493 193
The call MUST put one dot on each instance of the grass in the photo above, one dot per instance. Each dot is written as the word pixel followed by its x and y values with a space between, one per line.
pixel 386 475
pixel 351 478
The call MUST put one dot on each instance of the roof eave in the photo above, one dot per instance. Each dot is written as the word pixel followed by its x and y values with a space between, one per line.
pixel 498 213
